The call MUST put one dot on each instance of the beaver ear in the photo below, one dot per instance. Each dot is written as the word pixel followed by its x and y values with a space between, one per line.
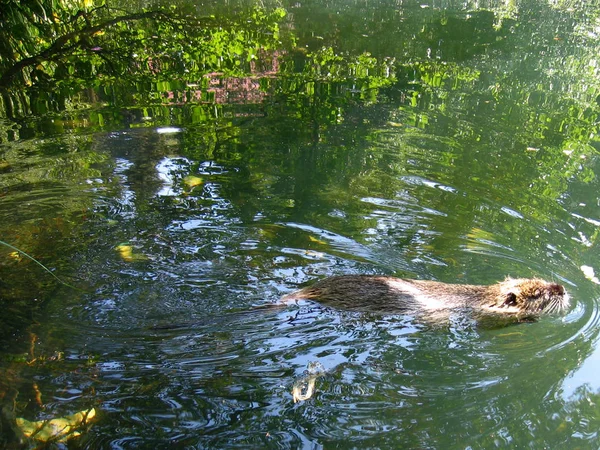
pixel 511 299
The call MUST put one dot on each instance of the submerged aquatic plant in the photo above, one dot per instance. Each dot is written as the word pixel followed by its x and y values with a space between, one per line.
pixel 18 250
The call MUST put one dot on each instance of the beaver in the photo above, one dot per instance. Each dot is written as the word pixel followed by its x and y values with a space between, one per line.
pixel 513 299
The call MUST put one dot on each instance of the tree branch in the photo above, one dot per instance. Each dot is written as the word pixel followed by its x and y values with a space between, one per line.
pixel 59 46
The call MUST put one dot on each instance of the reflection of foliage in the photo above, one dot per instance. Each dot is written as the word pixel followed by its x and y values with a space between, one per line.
pixel 448 75
pixel 362 73
pixel 581 417
pixel 69 45
pixel 445 75
pixel 325 65
pixel 322 86
pixel 43 37
pixel 42 193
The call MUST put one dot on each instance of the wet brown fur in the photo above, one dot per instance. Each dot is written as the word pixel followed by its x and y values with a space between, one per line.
pixel 517 299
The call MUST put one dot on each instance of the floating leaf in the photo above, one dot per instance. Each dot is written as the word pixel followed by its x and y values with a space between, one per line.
pixel 193 181
pixel 126 253
pixel 56 430
pixel 318 241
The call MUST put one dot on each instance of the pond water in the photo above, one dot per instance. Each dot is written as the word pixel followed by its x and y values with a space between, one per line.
pixel 464 151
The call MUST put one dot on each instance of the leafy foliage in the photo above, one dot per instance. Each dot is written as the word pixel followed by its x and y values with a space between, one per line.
pixel 76 45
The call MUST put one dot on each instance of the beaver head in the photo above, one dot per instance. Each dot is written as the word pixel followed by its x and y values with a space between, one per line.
pixel 531 295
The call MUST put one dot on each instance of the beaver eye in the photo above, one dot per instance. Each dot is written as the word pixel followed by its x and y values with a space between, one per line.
pixel 511 299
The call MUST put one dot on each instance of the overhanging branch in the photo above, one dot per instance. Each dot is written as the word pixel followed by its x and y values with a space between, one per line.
pixel 59 47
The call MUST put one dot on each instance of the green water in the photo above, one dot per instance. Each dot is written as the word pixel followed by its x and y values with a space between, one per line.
pixel 439 140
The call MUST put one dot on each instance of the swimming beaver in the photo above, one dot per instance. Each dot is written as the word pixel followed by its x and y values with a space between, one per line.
pixel 514 299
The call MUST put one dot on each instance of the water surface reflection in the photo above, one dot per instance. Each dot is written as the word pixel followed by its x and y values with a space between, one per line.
pixel 447 159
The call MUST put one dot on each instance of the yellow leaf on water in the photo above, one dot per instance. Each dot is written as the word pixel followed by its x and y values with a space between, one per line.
pixel 126 252
pixel 318 241
pixel 193 181
pixel 56 430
